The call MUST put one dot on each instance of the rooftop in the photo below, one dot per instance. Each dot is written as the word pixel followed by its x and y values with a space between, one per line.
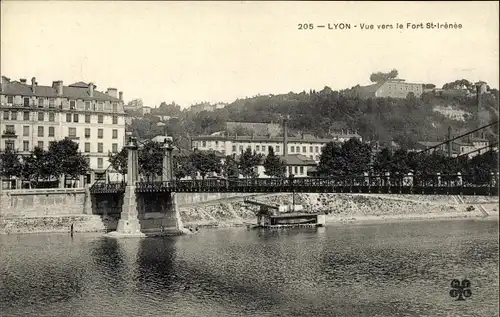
pixel 78 90
pixel 303 139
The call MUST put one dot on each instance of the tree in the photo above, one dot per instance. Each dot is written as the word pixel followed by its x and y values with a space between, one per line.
pixel 38 166
pixel 64 158
pixel 248 161
pixel 273 165
pixel 183 167
pixel 357 156
pixel 381 77
pixel 230 168
pixel 151 159
pixel 119 161
pixel 332 160
pixel 10 164
pixel 205 163
pixel 382 161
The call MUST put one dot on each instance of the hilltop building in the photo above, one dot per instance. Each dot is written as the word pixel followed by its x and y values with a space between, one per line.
pixel 33 115
pixel 393 88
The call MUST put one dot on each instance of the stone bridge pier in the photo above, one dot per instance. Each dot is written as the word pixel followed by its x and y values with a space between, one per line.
pixel 143 213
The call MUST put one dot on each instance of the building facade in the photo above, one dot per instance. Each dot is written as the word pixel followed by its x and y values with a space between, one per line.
pixel 306 145
pixel 32 116
pixel 393 88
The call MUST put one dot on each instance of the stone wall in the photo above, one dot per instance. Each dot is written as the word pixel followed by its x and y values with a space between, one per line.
pixel 42 202
pixel 184 199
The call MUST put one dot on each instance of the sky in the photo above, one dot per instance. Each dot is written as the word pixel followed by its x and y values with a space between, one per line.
pixel 191 52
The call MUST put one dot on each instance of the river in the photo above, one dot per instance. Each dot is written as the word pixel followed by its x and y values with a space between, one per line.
pixel 390 269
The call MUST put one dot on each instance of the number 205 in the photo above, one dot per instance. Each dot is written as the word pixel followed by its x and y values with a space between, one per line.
pixel 306 26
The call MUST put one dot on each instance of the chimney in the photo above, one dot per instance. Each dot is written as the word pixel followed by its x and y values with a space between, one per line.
pixel 120 95
pixel 285 137
pixel 91 89
pixel 112 92
pixel 58 86
pixel 23 81
pixel 33 84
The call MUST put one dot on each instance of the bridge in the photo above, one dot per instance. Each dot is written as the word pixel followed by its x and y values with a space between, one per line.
pixel 133 197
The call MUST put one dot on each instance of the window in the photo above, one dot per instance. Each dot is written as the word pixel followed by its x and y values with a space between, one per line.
pixel 100 119
pixel 203 143
pixel 100 106
pixel 51 131
pixel 277 148
pixel 87 132
pixel 13 115
pixel 72 104
pixel 87 118
pixel 303 149
pixel 72 132
pixel 234 148
pixel 99 133
pixel 114 147
pixel 68 117
pixel 26 146
pixel 241 148
pixel 26 116
pixel 301 170
pixel 87 105
pixel 115 120
pixel 310 149
pixel 9 129
pixel 41 102
pixel 115 134
pixel 52 116
pixel 292 149
pixel 51 103
pixel 99 162
pixel 51 143
pixel 99 147
pixel 6 115
pixel 75 117
pixel 26 130
pixel 9 144
pixel 41 116
pixel 297 149
pixel 26 102
pixel 316 149
pixel 40 130
pixel 257 148
pixel 87 147
pixel 115 107
pixel 295 170
pixel 40 144
pixel 10 99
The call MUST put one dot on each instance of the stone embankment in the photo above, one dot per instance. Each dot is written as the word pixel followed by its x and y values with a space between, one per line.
pixel 341 208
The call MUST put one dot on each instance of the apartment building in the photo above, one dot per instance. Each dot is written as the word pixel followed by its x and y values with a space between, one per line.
pixel 32 115
pixel 306 145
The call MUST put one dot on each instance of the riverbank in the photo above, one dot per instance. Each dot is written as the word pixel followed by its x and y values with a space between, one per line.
pixel 347 208
pixel 234 212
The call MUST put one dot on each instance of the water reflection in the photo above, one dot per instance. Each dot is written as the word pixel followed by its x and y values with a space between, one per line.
pixel 371 270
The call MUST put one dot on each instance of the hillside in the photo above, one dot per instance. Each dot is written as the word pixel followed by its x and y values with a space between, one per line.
pixel 404 121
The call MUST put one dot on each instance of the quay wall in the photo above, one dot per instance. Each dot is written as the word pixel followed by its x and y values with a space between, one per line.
pixel 55 210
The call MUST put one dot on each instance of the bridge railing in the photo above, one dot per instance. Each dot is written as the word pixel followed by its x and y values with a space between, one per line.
pixel 403 180
pixel 353 183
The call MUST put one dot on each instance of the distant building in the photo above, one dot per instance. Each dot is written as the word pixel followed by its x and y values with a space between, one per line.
pixel 394 88
pixel 306 145
pixel 298 165
pixel 202 107
pixel 459 147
